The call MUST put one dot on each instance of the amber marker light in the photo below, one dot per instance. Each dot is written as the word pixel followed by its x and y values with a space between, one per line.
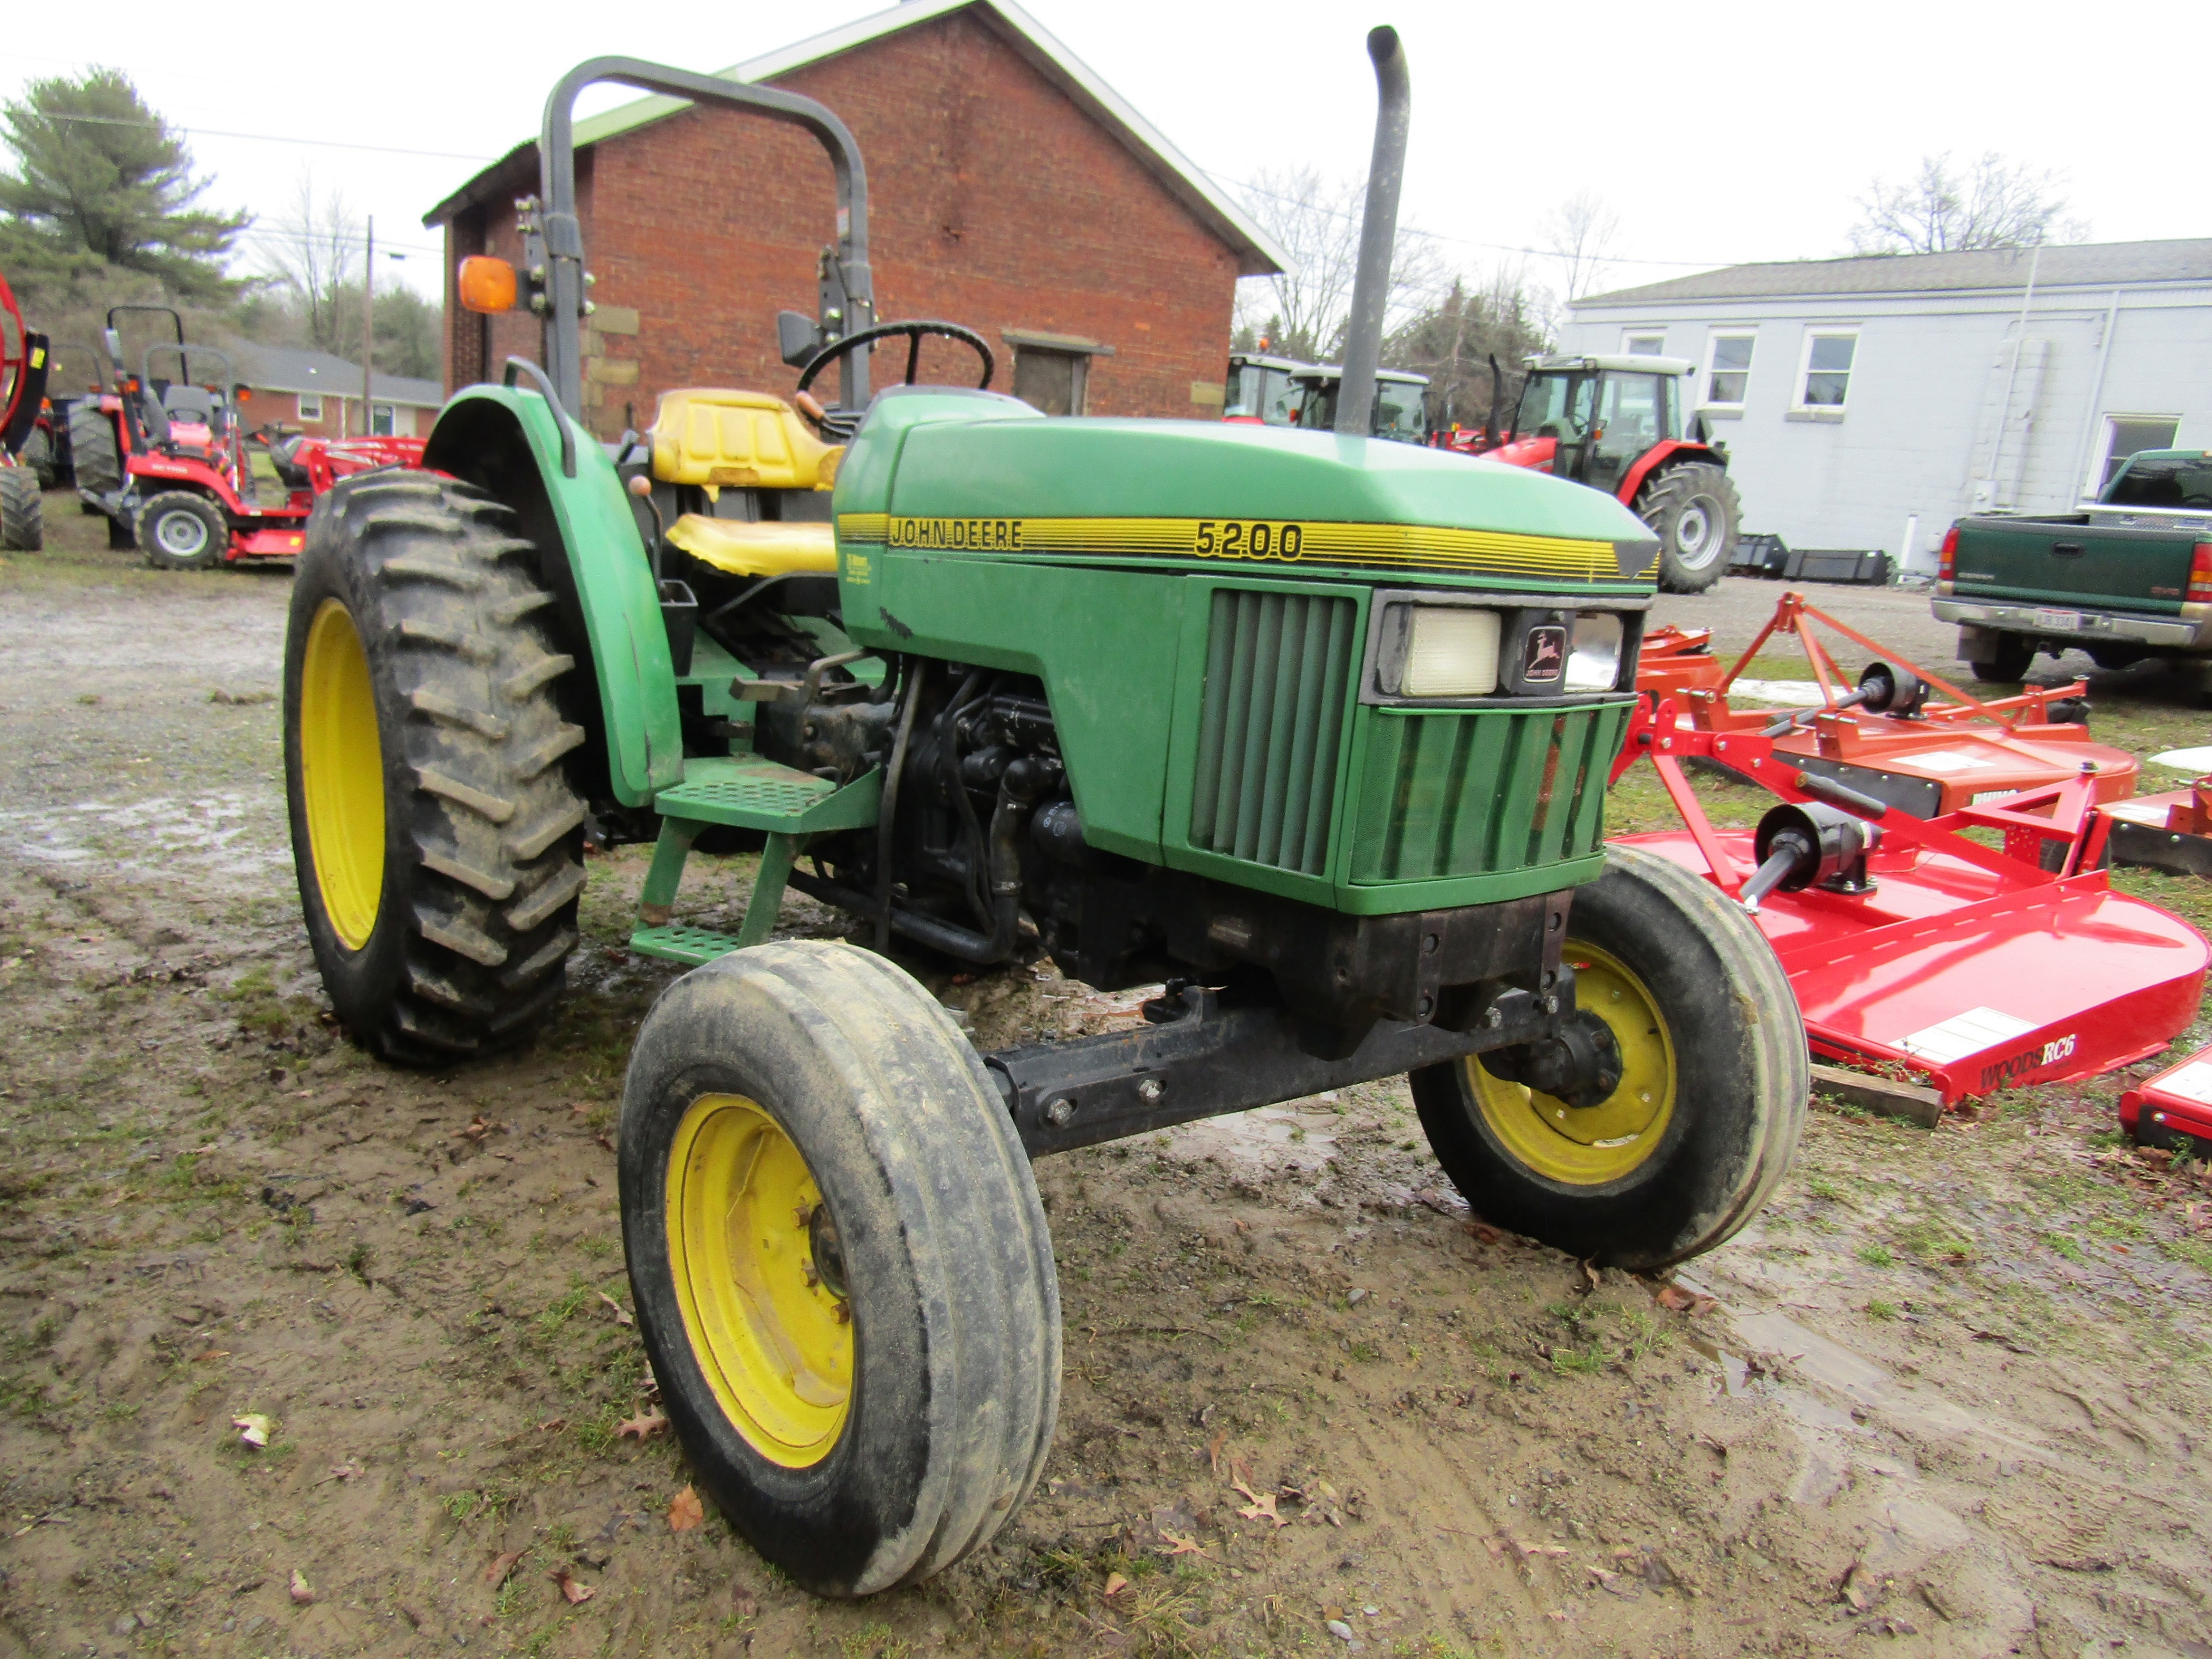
pixel 487 284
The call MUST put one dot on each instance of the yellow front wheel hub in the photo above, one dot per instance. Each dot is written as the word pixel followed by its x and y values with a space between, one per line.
pixel 1589 1146
pixel 759 1279
pixel 341 774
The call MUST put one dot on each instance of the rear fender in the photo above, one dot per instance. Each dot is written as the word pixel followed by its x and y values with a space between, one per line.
pixel 1672 452
pixel 505 440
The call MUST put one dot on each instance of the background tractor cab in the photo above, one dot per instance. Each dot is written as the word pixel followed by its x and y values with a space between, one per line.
pixel 1617 424
pixel 1259 390
pixel 1401 402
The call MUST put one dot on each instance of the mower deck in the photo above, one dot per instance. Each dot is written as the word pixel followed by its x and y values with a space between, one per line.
pixel 2177 1102
pixel 1976 982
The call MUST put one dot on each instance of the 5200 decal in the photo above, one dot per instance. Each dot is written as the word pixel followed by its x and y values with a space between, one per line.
pixel 1249 538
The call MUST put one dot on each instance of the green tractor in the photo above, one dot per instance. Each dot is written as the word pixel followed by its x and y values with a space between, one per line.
pixel 1312 731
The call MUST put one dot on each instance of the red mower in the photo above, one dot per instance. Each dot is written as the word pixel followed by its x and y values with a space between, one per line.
pixel 1912 946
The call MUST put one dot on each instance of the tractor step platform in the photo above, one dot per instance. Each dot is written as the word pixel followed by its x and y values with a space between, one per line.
pixel 692 946
pixel 748 792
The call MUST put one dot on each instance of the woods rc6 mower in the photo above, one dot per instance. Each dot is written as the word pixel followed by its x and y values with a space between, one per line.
pixel 1616 424
pixel 1312 730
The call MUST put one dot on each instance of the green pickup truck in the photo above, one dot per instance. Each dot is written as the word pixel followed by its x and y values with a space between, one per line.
pixel 2125 577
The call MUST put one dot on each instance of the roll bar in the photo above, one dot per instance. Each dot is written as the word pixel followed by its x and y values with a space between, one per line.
pixel 553 240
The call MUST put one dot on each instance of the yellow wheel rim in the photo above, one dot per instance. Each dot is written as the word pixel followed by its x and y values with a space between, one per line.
pixel 766 1320
pixel 342 775
pixel 1589 1146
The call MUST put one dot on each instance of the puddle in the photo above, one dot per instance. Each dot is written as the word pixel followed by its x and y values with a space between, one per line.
pixel 225 833
pixel 1265 1139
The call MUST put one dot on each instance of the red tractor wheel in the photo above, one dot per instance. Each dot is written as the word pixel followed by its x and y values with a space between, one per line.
pixel 180 530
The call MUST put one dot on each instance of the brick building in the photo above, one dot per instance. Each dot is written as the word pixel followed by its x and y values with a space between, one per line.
pixel 1009 189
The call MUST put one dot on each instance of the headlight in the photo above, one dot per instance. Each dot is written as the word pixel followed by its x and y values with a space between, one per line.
pixel 1450 652
pixel 1594 652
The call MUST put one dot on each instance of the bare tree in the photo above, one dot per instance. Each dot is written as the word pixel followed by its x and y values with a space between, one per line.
pixel 1302 311
pixel 315 252
pixel 1581 233
pixel 1996 203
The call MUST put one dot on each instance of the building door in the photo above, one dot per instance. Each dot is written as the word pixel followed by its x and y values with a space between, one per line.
pixel 1050 380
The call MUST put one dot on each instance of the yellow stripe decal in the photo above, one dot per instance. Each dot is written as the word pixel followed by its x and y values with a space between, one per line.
pixel 1266 541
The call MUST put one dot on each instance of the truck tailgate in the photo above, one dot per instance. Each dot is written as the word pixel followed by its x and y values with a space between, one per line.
pixel 2075 561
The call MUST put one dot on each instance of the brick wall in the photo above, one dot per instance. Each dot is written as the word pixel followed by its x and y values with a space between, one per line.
pixel 994 202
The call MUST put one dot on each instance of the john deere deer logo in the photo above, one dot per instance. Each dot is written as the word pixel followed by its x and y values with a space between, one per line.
pixel 1543 652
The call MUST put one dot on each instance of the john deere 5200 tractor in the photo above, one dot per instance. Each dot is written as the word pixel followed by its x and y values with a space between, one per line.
pixel 1312 729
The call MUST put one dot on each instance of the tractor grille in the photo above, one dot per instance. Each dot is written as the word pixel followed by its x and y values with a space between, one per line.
pixel 1473 792
pixel 1278 675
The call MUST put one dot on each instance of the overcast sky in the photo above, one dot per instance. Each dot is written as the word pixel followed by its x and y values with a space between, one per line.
pixel 1719 133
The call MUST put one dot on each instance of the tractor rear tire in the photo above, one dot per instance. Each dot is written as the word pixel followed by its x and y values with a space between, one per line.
pixel 179 530
pixel 1695 511
pixel 38 455
pixel 1712 1096
pixel 438 842
pixel 93 449
pixel 22 510
pixel 2015 653
pixel 839 1263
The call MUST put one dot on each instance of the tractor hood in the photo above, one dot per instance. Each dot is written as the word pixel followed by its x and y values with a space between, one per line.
pixel 968 473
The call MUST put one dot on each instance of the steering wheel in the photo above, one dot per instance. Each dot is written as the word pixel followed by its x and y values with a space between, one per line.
pixel 913 331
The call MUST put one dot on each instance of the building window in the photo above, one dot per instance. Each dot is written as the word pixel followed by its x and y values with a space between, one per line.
pixel 381 421
pixel 310 406
pixel 1643 343
pixel 1054 381
pixel 1825 379
pixel 2130 434
pixel 1728 369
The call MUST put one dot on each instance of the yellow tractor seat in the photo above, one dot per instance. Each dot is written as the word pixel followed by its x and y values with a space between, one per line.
pixel 766 549
pixel 720 439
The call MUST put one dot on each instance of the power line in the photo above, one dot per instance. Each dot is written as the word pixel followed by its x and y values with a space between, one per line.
pixel 266 137
pixel 1464 241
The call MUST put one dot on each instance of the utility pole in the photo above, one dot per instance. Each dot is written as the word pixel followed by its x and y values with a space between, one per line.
pixel 368 328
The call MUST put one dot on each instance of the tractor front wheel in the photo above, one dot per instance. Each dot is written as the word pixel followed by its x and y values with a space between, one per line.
pixel 1714 1081
pixel 1694 509
pixel 180 531
pixel 438 842
pixel 22 510
pixel 841 1267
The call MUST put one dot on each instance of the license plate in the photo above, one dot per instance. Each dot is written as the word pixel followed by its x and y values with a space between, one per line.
pixel 2062 621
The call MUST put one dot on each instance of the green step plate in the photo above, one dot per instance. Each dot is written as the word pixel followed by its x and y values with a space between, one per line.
pixel 757 794
pixel 692 946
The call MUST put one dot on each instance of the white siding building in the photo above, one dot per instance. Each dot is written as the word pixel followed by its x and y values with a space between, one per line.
pixel 1859 395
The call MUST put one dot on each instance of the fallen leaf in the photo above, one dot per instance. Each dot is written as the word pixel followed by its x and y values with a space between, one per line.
pixel 602 1138
pixel 212 1353
pixel 495 1574
pixel 1182 1544
pixel 643 1425
pixel 300 1594
pixel 1590 1274
pixel 342 1472
pixel 570 1589
pixel 1600 1574
pixel 252 1428
pixel 621 1314
pixel 1115 1583
pixel 686 1511
pixel 1675 1299
pixel 551 1424
pixel 1262 1509
pixel 745 1603
pixel 478 1128
pixel 1213 1449
pixel 580 1108
pixel 1482 1231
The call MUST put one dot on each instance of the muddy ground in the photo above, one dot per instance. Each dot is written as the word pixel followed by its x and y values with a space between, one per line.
pixel 1949 1395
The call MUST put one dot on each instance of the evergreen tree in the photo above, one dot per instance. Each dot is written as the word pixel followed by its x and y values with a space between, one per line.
pixel 101 181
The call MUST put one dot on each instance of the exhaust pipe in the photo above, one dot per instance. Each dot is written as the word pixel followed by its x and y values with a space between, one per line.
pixel 1370 286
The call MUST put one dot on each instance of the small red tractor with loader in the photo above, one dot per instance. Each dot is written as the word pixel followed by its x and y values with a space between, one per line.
pixel 166 461
pixel 1617 424
pixel 1306 730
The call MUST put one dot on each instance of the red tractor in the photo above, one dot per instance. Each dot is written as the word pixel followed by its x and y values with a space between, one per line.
pixel 23 387
pixel 1260 392
pixel 190 488
pixel 1616 423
